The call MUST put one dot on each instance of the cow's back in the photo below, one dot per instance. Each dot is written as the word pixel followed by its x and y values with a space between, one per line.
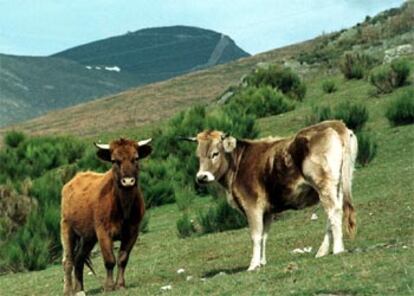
pixel 79 200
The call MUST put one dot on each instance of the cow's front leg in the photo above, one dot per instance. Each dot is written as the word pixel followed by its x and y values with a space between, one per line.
pixel 255 219
pixel 106 244
pixel 127 243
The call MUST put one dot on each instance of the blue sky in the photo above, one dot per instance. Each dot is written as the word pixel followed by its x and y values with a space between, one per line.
pixel 43 27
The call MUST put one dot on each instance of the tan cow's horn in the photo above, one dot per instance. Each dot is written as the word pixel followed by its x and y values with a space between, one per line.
pixel 102 146
pixel 144 142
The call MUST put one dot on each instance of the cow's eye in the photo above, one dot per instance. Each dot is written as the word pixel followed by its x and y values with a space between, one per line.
pixel 214 155
pixel 116 161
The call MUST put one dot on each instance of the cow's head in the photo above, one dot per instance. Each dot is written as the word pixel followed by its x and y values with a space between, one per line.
pixel 214 148
pixel 124 155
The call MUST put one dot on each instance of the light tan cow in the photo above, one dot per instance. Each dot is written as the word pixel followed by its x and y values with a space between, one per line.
pixel 270 175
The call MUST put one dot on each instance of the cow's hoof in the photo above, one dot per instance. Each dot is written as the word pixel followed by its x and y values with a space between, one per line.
pixel 322 252
pixel 109 288
pixel 263 262
pixel 253 267
pixel 120 286
pixel 80 293
pixel 340 251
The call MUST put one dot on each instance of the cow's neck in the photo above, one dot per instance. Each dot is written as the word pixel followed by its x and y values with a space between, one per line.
pixel 125 199
pixel 234 159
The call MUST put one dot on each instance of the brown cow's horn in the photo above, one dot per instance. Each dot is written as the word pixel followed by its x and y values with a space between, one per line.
pixel 190 139
pixel 144 142
pixel 102 146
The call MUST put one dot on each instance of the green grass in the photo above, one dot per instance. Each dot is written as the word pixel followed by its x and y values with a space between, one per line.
pixel 380 261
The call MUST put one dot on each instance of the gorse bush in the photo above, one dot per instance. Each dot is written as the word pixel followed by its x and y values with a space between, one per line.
pixel 220 217
pixel 260 101
pixel 185 227
pixel 367 148
pixel 28 248
pixel 388 77
pixel 354 65
pixel 401 110
pixel 329 86
pixel 353 115
pixel 12 139
pixel 283 79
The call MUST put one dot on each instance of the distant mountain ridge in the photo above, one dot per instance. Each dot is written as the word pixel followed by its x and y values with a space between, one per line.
pixel 158 53
pixel 32 86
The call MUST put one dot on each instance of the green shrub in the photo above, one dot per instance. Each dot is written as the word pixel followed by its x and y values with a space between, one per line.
pixel 284 79
pixel 12 139
pixel 260 101
pixel 353 115
pixel 329 86
pixel 220 217
pixel 28 248
pixel 367 148
pixel 401 110
pixel 388 77
pixel 184 197
pixel 354 65
pixel 185 227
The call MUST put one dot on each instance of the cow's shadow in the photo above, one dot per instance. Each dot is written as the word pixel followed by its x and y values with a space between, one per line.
pixel 216 272
pixel 100 290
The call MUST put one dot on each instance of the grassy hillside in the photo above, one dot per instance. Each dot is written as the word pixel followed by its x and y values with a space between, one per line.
pixel 378 261
pixel 144 106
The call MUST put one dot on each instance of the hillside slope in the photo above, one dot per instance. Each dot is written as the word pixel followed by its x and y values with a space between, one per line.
pixel 146 105
pixel 32 86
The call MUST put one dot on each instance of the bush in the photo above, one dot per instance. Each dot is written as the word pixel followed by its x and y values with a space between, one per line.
pixel 185 227
pixel 329 86
pixel 220 217
pixel 367 148
pixel 388 77
pixel 12 139
pixel 353 115
pixel 401 110
pixel 354 65
pixel 260 101
pixel 28 248
pixel 283 79
pixel 184 197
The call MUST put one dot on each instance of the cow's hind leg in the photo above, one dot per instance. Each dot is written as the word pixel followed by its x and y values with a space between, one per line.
pixel 81 256
pixel 68 238
pixel 126 246
pixel 324 248
pixel 255 220
pixel 267 221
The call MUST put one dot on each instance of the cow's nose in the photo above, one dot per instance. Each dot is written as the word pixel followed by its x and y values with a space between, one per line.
pixel 204 177
pixel 128 181
pixel 201 178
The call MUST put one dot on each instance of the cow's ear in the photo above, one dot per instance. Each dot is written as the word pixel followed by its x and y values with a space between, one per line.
pixel 103 152
pixel 144 151
pixel 229 144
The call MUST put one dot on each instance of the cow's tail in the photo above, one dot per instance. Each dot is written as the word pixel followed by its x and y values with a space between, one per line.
pixel 78 254
pixel 351 151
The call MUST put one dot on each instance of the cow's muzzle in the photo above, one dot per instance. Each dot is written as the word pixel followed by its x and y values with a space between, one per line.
pixel 204 177
pixel 128 181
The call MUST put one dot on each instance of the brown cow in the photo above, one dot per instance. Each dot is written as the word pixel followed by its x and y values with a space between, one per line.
pixel 271 175
pixel 104 208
